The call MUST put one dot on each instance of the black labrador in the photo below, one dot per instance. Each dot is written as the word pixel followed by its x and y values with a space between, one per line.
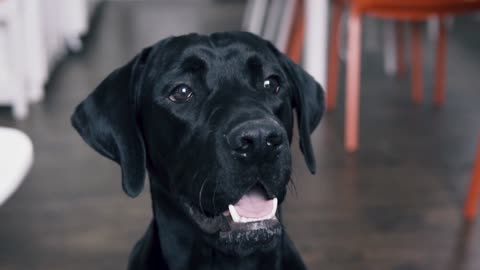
pixel 210 118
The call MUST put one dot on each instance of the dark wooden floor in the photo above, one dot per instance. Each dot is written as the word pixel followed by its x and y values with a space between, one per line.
pixel 396 204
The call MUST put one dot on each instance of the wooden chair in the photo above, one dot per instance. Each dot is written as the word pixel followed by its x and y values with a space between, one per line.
pixel 471 202
pixel 414 11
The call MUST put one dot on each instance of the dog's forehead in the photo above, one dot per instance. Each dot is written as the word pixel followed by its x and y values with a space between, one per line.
pixel 217 47
pixel 216 61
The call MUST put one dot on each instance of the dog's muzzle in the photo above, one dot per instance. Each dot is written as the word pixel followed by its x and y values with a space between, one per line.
pixel 249 221
pixel 248 225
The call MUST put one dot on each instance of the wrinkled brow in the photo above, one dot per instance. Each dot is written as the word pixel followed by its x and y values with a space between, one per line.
pixel 202 52
pixel 195 58
pixel 193 63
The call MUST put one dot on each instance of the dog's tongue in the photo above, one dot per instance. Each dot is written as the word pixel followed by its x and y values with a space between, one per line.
pixel 254 204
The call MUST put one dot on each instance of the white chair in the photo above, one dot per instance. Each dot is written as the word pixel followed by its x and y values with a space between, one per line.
pixel 64 23
pixel 254 16
pixel 33 37
pixel 36 71
pixel 16 158
pixel 316 36
pixel 12 88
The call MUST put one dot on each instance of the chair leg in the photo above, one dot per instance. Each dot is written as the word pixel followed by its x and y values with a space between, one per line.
pixel 352 95
pixel 417 63
pixel 474 189
pixel 333 57
pixel 441 51
pixel 295 44
pixel 400 48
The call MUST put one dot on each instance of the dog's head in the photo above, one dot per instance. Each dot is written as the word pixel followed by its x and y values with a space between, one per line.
pixel 210 118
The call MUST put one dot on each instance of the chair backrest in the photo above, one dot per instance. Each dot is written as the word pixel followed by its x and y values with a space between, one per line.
pixel 414 3
pixel 415 8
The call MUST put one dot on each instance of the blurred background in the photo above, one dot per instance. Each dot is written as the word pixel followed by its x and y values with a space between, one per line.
pixel 398 175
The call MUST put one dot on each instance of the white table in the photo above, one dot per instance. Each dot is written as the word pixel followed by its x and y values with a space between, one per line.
pixel 16 158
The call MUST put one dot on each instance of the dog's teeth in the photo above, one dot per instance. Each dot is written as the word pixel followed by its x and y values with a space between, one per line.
pixel 274 210
pixel 233 213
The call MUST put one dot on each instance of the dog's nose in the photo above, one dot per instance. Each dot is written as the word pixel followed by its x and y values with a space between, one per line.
pixel 256 138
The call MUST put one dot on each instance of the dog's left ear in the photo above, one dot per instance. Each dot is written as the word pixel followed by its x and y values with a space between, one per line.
pixel 308 101
pixel 106 120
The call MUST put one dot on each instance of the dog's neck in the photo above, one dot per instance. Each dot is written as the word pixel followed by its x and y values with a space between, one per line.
pixel 177 243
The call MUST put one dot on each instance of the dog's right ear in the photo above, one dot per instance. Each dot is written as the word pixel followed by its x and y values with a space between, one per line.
pixel 107 121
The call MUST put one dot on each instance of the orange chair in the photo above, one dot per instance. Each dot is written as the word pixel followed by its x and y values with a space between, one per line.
pixel 474 189
pixel 297 33
pixel 413 11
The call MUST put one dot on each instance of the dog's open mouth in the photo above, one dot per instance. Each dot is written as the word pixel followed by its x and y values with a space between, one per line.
pixel 253 206
pixel 249 224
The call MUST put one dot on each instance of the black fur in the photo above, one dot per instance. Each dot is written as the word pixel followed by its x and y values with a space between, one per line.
pixel 194 151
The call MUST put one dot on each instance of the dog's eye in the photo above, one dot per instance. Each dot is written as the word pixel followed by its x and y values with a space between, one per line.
pixel 181 93
pixel 272 85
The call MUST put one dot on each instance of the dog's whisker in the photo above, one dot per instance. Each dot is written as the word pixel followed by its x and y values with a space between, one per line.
pixel 293 188
pixel 194 177
pixel 200 195
pixel 291 184
pixel 213 196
